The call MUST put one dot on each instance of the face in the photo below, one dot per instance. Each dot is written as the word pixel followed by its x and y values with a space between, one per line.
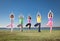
pixel 50 15
pixel 11 16
pixel 29 17
pixel 39 15
pixel 21 17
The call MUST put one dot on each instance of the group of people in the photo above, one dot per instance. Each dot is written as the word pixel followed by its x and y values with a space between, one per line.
pixel 21 19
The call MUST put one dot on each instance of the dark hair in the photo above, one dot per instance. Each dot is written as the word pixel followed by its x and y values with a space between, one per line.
pixel 29 17
pixel 12 16
pixel 50 15
pixel 38 15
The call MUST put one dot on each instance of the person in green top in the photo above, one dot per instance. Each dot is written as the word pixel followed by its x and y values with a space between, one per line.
pixel 21 23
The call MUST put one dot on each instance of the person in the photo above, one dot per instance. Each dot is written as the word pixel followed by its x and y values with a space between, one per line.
pixel 50 20
pixel 29 22
pixel 21 23
pixel 12 21
pixel 38 22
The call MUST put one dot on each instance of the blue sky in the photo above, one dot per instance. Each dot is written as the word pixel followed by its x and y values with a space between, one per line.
pixel 29 7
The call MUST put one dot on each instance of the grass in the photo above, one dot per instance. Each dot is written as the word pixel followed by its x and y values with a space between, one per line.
pixel 29 35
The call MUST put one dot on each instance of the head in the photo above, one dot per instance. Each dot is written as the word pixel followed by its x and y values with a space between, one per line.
pixel 38 15
pixel 11 16
pixel 50 15
pixel 29 17
pixel 20 16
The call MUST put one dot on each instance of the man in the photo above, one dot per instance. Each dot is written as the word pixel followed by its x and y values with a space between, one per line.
pixel 38 22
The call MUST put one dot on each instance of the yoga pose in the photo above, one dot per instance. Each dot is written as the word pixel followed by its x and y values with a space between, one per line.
pixel 50 20
pixel 38 22
pixel 21 23
pixel 29 22
pixel 12 21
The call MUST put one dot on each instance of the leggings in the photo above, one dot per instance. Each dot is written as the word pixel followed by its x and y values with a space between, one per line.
pixel 38 24
pixel 28 24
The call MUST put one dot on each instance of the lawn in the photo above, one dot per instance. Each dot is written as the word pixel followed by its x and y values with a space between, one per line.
pixel 29 35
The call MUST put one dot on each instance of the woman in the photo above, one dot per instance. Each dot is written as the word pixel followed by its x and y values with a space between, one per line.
pixel 50 20
pixel 29 22
pixel 21 23
pixel 12 21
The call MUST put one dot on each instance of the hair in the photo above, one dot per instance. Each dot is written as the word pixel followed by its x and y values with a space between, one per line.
pixel 38 15
pixel 50 15
pixel 11 16
pixel 29 17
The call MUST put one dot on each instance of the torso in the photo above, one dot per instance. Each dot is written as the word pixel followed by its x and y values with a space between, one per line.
pixel 29 20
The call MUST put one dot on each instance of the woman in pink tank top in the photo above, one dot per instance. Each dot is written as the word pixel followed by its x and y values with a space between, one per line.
pixel 50 20
pixel 12 22
pixel 29 22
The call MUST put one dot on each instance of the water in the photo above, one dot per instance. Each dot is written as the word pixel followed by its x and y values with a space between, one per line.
pixel 42 28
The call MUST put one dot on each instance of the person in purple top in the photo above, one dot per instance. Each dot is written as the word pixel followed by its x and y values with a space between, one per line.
pixel 29 22
pixel 50 20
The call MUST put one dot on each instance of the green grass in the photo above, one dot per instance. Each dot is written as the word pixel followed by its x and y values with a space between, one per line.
pixel 32 35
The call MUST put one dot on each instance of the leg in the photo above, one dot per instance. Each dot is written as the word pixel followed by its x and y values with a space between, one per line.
pixel 50 29
pixel 39 27
pixel 11 27
pixel 21 27
pixel 18 25
pixel 29 25
pixel 26 24
pixel 36 24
